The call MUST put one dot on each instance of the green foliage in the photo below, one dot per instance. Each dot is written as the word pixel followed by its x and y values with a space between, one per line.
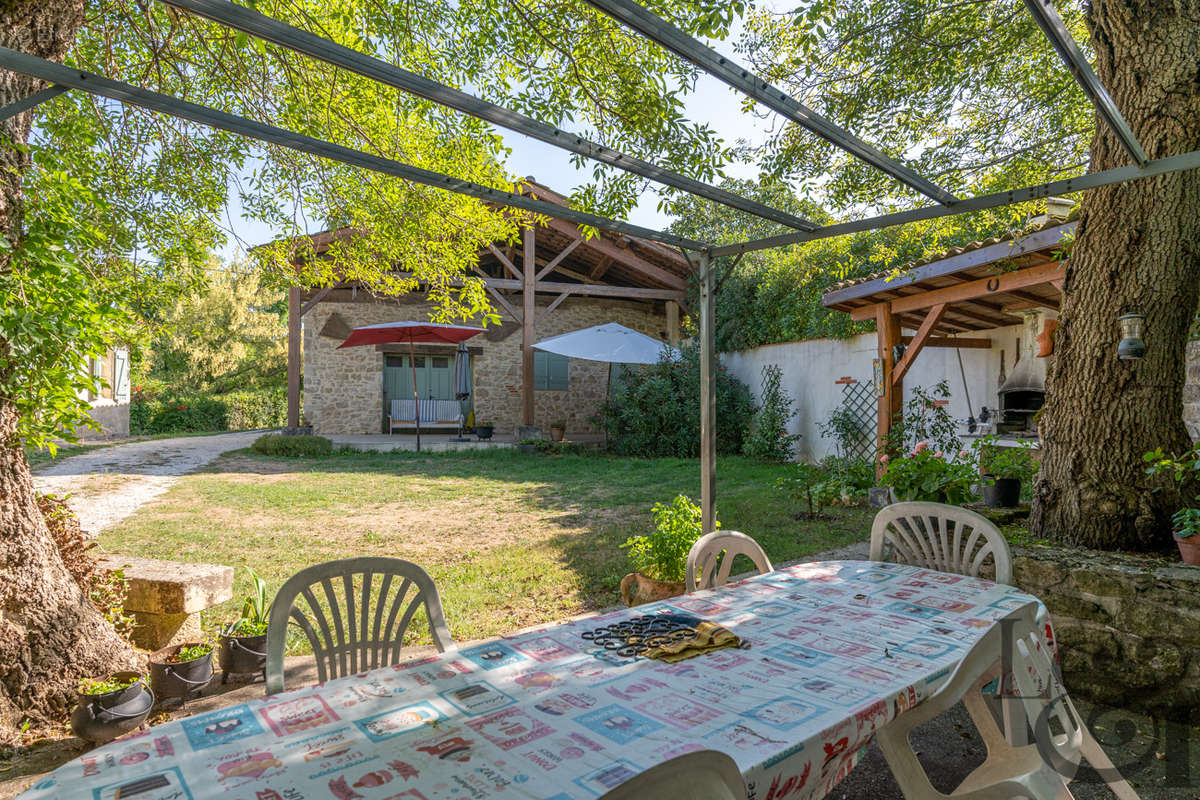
pixel 925 419
pixel 926 475
pixel 768 438
pixel 233 411
pixel 1183 471
pixel 847 429
pixel 835 481
pixel 277 444
pixel 107 592
pixel 192 652
pixel 1008 461
pixel 663 554
pixel 94 686
pixel 256 610
pixel 656 412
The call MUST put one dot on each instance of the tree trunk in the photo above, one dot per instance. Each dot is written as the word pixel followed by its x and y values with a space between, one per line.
pixel 50 633
pixel 1136 250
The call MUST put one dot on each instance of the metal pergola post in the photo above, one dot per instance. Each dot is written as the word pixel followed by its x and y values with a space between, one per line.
pixel 708 394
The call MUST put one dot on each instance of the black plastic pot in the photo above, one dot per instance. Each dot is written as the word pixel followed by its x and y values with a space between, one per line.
pixel 182 679
pixel 483 431
pixel 242 655
pixel 1002 493
pixel 99 718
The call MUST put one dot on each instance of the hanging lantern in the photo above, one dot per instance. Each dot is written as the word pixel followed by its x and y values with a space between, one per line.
pixel 1132 345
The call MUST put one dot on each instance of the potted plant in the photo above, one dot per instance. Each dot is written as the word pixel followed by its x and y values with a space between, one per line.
pixel 660 559
pixel 483 429
pixel 1186 521
pixel 1005 470
pixel 108 707
pixel 244 641
pixel 558 430
pixel 927 475
pixel 180 670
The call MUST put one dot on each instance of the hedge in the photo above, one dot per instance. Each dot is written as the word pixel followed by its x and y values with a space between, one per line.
pixel 276 444
pixel 232 411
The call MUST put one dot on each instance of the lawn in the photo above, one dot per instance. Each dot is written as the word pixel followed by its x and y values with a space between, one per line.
pixel 511 539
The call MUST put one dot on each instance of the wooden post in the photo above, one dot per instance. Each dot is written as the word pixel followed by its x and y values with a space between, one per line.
pixel 708 397
pixel 293 357
pixel 673 323
pixel 528 321
pixel 891 401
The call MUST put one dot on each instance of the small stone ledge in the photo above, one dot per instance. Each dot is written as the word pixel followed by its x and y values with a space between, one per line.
pixel 1129 625
pixel 166 597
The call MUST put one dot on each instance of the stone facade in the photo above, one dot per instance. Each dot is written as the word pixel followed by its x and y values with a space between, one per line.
pixel 343 389
pixel 1191 391
pixel 1128 626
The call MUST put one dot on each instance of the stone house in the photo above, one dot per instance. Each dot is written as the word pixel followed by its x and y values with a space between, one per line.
pixel 552 281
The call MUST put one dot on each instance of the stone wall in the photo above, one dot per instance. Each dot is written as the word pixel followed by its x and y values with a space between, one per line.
pixel 1191 391
pixel 1128 626
pixel 343 389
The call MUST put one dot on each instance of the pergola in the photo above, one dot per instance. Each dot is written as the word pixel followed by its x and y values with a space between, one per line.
pixel 699 255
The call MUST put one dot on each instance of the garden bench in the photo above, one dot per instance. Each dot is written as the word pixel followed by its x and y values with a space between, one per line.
pixel 165 598
pixel 434 414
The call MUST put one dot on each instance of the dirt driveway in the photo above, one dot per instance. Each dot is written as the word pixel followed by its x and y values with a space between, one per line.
pixel 109 484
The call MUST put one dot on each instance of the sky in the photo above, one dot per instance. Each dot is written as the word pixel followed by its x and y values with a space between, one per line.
pixel 712 102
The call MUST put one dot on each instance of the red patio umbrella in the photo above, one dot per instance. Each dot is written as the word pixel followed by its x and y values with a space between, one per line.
pixel 411 332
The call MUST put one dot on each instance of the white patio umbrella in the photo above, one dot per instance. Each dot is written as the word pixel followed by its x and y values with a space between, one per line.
pixel 609 342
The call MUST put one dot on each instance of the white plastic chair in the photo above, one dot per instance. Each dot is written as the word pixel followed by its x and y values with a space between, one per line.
pixel 1040 770
pixel 941 537
pixel 707 550
pixel 703 775
pixel 353 629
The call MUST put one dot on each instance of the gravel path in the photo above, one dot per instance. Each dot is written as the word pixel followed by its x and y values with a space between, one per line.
pixel 109 484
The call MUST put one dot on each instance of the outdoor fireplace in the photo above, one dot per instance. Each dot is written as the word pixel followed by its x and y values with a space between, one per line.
pixel 1025 390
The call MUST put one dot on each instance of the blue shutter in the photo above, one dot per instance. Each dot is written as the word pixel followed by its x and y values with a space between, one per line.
pixel 558 373
pixel 540 369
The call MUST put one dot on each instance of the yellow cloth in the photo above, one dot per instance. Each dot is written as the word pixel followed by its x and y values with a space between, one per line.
pixel 708 637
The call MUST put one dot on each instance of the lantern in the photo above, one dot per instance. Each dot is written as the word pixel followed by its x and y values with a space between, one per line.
pixel 1132 345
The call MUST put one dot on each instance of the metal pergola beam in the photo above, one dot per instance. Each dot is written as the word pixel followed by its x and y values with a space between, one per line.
pixel 1090 180
pixel 301 41
pixel 133 95
pixel 701 55
pixel 35 99
pixel 1047 18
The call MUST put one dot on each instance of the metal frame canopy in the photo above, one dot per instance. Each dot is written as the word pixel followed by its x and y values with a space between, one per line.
pixel 62 78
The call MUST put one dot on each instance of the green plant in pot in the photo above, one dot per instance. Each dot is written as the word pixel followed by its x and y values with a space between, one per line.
pixel 111 706
pixel 244 641
pixel 558 430
pixel 660 558
pixel 924 474
pixel 1005 470
pixel 484 429
pixel 1184 471
pixel 180 670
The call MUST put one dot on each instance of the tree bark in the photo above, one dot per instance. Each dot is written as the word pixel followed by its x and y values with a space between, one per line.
pixel 50 633
pixel 1136 250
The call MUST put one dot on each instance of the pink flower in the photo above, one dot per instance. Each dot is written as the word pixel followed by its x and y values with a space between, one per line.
pixel 938 454
pixel 883 459
pixel 964 454
pixel 921 447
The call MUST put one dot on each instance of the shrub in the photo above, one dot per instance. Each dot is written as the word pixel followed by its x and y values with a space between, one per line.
pixel 232 411
pixel 276 444
pixel 769 438
pixel 663 554
pixel 926 420
pixel 657 411
pixel 1009 461
pixel 925 475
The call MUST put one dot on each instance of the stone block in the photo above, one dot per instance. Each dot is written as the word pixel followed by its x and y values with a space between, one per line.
pixel 166 597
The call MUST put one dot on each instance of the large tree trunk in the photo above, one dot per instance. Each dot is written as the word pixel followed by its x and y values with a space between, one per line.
pixel 50 634
pixel 1137 249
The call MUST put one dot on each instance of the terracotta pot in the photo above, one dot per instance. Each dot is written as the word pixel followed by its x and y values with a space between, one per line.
pixel 557 434
pixel 637 589
pixel 1189 549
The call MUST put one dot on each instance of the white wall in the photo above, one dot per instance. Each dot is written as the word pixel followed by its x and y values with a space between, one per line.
pixel 812 367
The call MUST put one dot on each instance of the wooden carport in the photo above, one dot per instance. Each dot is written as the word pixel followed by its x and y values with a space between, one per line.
pixel 980 286
pixel 608 265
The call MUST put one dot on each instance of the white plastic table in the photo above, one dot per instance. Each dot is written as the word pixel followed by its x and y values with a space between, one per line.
pixel 834 650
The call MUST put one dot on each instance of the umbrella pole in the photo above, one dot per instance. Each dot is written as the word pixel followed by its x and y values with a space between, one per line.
pixel 412 362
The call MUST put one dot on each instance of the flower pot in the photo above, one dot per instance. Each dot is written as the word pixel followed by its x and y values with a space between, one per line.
pixel 557 434
pixel 1189 549
pixel 179 679
pixel 242 655
pixel 1003 493
pixel 483 431
pixel 527 448
pixel 99 718
pixel 637 589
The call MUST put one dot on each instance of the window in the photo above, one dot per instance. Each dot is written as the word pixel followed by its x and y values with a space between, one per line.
pixel 549 371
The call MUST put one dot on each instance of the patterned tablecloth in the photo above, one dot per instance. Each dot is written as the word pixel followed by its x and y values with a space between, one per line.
pixel 834 651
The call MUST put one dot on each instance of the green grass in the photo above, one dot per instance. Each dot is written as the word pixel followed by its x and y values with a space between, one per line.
pixel 511 539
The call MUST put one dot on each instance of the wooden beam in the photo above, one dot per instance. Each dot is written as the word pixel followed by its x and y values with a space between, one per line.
pixel 982 287
pixel 954 341
pixel 293 357
pixel 507 306
pixel 508 265
pixel 553 305
pixel 1032 300
pixel 528 319
pixel 1057 285
pixel 672 323
pixel 597 272
pixel 554 262
pixel 891 399
pixel 626 257
pixel 918 343
pixel 316 298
